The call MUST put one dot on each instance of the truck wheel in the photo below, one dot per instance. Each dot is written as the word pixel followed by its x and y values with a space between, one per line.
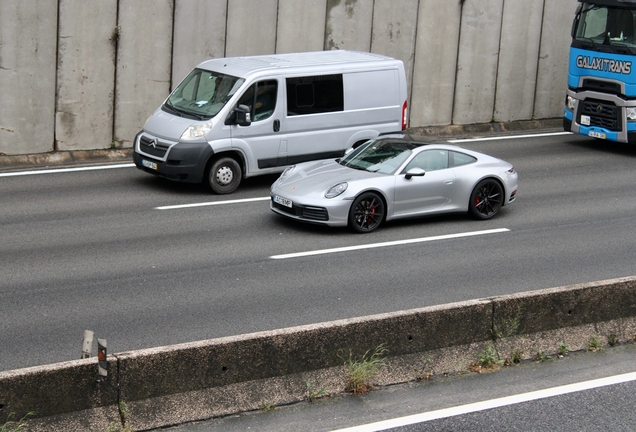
pixel 224 175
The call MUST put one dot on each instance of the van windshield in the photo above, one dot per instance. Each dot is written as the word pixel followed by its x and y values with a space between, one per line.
pixel 202 94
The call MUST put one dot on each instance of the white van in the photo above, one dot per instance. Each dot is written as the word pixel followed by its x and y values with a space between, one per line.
pixel 239 117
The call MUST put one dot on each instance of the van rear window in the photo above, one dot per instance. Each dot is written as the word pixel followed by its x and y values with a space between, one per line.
pixel 314 94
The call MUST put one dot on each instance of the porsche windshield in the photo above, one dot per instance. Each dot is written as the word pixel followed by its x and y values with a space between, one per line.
pixel 601 27
pixel 382 156
pixel 202 94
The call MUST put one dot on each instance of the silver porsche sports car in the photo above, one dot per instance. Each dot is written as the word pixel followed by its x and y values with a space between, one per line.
pixel 391 177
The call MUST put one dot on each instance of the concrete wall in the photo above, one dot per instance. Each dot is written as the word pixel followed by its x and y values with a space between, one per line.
pixel 222 376
pixel 87 74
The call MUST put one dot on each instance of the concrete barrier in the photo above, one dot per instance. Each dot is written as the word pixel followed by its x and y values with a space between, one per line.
pixel 170 385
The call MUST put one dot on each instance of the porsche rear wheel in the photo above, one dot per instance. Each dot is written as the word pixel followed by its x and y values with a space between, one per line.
pixel 486 199
pixel 366 213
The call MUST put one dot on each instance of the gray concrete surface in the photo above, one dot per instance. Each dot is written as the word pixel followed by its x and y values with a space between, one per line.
pixel 75 78
pixel 85 74
pixel 518 59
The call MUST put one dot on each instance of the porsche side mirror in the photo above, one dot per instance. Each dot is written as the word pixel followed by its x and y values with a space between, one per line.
pixel 415 172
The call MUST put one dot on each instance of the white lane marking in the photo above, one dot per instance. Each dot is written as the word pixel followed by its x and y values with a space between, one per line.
pixel 391 243
pixel 211 203
pixel 493 403
pixel 508 137
pixel 65 170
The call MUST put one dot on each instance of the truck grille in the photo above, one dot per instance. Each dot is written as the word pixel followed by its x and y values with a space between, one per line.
pixel 602 114
pixel 152 147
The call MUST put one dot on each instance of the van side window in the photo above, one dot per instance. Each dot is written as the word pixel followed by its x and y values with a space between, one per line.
pixel 260 97
pixel 314 94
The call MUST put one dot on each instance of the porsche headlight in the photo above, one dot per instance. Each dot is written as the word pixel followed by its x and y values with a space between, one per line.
pixel 336 190
pixel 287 171
pixel 631 113
pixel 196 131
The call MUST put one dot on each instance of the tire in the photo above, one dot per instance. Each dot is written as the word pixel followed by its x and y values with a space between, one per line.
pixel 486 199
pixel 224 175
pixel 366 213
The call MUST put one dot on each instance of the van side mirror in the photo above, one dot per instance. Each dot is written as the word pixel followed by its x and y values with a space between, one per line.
pixel 239 116
pixel 415 172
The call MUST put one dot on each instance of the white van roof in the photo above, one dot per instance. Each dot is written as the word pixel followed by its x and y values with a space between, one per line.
pixel 248 65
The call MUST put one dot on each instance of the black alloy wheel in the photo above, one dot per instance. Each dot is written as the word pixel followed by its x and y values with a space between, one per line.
pixel 486 199
pixel 367 213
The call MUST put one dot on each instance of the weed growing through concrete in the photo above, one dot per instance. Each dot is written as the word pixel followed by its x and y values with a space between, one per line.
pixel 516 356
pixel 15 426
pixel 508 327
pixel 115 427
pixel 488 360
pixel 267 406
pixel 612 339
pixel 542 356
pixel 594 344
pixel 563 349
pixel 363 371
pixel 313 394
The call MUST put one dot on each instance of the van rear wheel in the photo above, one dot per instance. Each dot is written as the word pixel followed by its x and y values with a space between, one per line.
pixel 224 175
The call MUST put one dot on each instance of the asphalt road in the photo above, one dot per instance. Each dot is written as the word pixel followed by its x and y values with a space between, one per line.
pixel 90 250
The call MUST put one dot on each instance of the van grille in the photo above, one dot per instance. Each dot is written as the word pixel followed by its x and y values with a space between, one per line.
pixel 152 147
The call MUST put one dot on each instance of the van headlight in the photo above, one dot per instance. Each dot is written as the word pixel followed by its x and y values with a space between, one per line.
pixel 336 190
pixel 196 131
pixel 631 113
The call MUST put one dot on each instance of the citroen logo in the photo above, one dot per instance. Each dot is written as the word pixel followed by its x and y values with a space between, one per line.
pixel 153 143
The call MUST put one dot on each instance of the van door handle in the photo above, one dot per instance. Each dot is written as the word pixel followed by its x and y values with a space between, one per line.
pixel 276 125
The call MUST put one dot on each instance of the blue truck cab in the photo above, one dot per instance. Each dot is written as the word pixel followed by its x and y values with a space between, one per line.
pixel 601 96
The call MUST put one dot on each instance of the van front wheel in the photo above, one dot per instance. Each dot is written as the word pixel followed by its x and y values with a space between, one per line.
pixel 224 175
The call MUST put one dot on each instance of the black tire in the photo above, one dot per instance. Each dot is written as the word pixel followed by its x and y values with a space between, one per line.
pixel 224 175
pixel 486 199
pixel 366 213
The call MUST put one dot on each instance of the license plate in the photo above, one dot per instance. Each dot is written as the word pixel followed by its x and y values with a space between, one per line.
pixel 148 164
pixel 283 201
pixel 597 135
pixel 585 120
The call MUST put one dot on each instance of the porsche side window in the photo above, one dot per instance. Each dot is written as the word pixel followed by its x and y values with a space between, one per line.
pixel 458 159
pixel 430 160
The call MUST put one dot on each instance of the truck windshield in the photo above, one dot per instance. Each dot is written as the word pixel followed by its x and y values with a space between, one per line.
pixel 605 28
pixel 202 94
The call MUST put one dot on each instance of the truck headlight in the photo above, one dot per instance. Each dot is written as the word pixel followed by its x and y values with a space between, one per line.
pixel 570 102
pixel 631 113
pixel 196 131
